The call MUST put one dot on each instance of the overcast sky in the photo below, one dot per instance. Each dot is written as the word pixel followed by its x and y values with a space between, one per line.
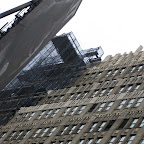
pixel 116 25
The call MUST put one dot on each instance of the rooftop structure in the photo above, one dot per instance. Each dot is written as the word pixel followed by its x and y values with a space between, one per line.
pixel 55 67
pixel 35 24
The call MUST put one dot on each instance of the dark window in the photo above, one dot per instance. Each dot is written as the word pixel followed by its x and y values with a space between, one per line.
pixel 123 123
pixel 109 125
pixel 92 108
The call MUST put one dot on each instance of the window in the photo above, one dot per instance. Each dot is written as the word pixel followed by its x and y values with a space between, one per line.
pixel 93 127
pixel 99 74
pixel 121 89
pixel 109 125
pixel 69 142
pixel 108 73
pixel 109 91
pixel 122 138
pixel 26 133
pixel 142 141
pixel 81 109
pixel 2 135
pixel 98 140
pixel 121 104
pixel 109 106
pixel 73 127
pixel 55 112
pixel 48 113
pixel 131 138
pixel 132 69
pixel 92 108
pixel 80 128
pixel 51 131
pixel 84 95
pixel 11 135
pixel 19 134
pixel 74 110
pixel 24 116
pixel 130 103
pixel 41 114
pixel 129 88
pixel 37 132
pixel 65 128
pixel 133 122
pixel 78 95
pixel 142 123
pixel 70 97
pixel 115 71
pixel 112 140
pixel 102 92
pixel 66 111
pixel 44 132
pixel 101 126
pixel 137 87
pixel 101 106
pixel 61 97
pixel 95 93
pixel 90 141
pixel 31 115
pixel 123 123
pixel 122 70
pixel 139 101
pixel 139 68
pixel 81 141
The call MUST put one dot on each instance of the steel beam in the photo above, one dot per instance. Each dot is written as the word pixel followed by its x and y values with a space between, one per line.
pixel 4 14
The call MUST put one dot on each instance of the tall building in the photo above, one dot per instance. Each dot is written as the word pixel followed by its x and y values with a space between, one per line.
pixel 103 104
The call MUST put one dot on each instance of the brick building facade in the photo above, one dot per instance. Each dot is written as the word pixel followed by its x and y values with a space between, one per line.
pixel 104 106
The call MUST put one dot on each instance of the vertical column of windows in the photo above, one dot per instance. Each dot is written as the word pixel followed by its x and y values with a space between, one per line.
pixel 80 128
pixel 139 68
pixel 55 112
pixel 130 103
pixel 65 128
pixel 139 101
pixel 112 140
pixel 109 106
pixel 142 141
pixel 2 134
pixel 73 110
pixel 98 140
pixel 81 109
pixel 101 126
pixel 131 138
pixel 37 132
pixel 122 70
pixel 93 127
pixel 133 122
pixel 121 104
pixel 136 87
pixel 109 91
pixel 73 127
pixel 121 139
pixel 31 115
pixel 44 132
pixel 51 131
pixel 142 123
pixel 41 115
pixel 66 111
pixel 121 89
pixel 48 113
pixel 101 106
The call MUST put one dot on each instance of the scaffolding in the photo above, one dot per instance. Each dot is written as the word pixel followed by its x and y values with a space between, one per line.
pixel 53 68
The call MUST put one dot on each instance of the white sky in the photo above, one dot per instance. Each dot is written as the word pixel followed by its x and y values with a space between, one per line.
pixel 116 25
